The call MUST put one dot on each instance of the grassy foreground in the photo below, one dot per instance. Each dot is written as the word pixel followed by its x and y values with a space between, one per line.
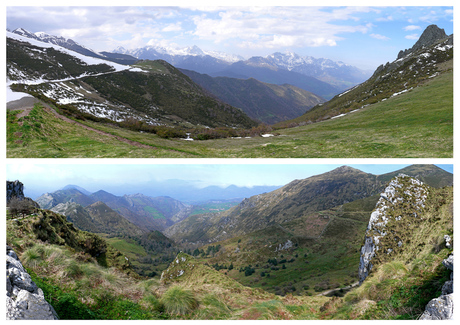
pixel 416 124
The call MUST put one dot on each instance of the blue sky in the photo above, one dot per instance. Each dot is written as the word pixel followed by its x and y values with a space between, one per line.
pixel 359 35
pixel 39 178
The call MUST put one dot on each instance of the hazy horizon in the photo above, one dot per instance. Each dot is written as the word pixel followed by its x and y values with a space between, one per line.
pixel 120 179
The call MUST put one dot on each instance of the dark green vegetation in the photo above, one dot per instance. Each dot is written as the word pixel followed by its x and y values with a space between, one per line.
pixel 268 103
pixel 166 91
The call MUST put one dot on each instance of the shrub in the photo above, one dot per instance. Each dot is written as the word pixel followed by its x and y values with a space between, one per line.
pixel 20 206
pixel 179 301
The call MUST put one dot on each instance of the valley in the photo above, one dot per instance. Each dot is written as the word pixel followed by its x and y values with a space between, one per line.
pixel 277 253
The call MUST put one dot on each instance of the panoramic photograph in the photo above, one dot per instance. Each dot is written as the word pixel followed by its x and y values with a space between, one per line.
pixel 229 82
pixel 188 241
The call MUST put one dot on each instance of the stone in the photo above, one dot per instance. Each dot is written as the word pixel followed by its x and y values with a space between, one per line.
pixel 442 307
pixel 401 189
pixel 14 189
pixel 439 308
pixel 24 300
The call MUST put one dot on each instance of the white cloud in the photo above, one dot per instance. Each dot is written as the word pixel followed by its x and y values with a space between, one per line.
pixel 268 27
pixel 412 36
pixel 412 27
pixel 380 37
pixel 388 18
pixel 173 27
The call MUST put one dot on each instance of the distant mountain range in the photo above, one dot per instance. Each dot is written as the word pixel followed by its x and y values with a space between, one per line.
pixel 338 74
pixel 148 212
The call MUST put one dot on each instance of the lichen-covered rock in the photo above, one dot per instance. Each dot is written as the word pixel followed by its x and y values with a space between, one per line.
pixel 439 308
pixel 24 300
pixel 392 221
pixel 181 264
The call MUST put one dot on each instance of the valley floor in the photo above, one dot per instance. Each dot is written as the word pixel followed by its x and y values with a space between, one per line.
pixel 416 124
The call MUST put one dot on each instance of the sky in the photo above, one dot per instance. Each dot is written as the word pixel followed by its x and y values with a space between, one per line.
pixel 127 178
pixel 358 35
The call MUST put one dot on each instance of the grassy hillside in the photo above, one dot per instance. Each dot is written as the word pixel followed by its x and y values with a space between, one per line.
pixel 306 256
pixel 415 124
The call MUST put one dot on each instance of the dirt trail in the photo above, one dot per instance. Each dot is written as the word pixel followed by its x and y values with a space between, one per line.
pixel 27 103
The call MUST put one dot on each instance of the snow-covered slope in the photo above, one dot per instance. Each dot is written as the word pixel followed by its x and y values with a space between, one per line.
pixel 43 45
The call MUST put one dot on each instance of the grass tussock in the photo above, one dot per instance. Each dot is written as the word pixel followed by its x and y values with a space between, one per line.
pixel 179 301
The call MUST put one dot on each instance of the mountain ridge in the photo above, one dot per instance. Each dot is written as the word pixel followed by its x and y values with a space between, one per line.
pixel 295 199
pixel 410 70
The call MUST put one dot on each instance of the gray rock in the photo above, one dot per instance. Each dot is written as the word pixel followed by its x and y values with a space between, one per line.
pixel 449 262
pixel 429 36
pixel 401 189
pixel 443 306
pixel 24 300
pixel 14 189
pixel 439 308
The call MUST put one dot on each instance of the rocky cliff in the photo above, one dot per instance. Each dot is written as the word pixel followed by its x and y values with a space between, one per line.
pixel 390 224
pixel 24 300
pixel 400 226
pixel 14 189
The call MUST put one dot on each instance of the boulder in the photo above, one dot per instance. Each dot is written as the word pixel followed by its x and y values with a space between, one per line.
pixel 442 307
pixel 24 300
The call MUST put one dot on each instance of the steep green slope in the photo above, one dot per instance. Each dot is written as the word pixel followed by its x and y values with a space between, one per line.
pixel 400 76
pixel 172 94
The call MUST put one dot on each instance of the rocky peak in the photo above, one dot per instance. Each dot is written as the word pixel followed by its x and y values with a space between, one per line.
pixel 430 35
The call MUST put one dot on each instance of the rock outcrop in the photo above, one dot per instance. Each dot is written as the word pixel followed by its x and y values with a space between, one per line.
pixel 182 264
pixel 391 222
pixel 430 35
pixel 442 307
pixel 24 300
pixel 14 189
